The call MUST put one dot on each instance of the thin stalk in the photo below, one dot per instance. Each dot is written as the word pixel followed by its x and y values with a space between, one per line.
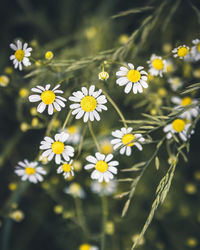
pixel 93 136
pixel 116 108
pixel 104 220
pixel 66 120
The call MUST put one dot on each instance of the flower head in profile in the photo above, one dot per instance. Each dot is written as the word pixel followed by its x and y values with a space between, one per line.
pixel 183 102
pixel 21 55
pixel 157 65
pixel 195 50
pixel 175 83
pixel 86 246
pixel 48 98
pixel 75 190
pixel 132 78
pixel 88 103
pixel 57 148
pixel 104 188
pixel 30 171
pixel 125 140
pixel 103 76
pixel 67 169
pixel 104 168
pixel 181 51
pixel 178 126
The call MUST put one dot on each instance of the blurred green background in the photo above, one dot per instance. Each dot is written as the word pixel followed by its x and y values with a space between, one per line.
pixel 72 30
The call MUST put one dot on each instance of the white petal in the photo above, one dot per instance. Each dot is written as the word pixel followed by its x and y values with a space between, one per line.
pixel 128 87
pixel 50 109
pixel 34 98
pixel 41 107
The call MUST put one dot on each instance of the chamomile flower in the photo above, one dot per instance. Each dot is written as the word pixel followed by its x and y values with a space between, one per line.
pixel 4 81
pixel 182 102
pixel 157 65
pixel 57 147
pixel 106 147
pixel 86 246
pixel 175 83
pixel 195 50
pixel 75 190
pixel 17 215
pixel 125 140
pixel 104 167
pixel 177 126
pixel 181 51
pixel 135 79
pixel 88 103
pixel 104 188
pixel 21 55
pixel 74 134
pixel 67 169
pixel 48 98
pixel 30 171
pixel 103 75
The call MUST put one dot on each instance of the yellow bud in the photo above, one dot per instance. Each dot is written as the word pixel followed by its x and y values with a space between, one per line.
pixel 90 33
pixel 45 185
pixel 12 186
pixel 77 166
pixel 8 70
pixel 123 39
pixel 49 55
pixel 162 92
pixel 192 242
pixel 33 111
pixel 167 47
pixel 23 92
pixel 190 188
pixel 38 63
pixel 153 112
pixel 197 175
pixel 4 81
pixel 17 215
pixel 58 209
pixel 35 122
pixel 110 228
pixel 24 126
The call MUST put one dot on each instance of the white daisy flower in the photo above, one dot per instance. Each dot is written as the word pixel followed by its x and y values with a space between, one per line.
pixel 88 103
pixel 104 167
pixel 21 54
pixel 75 190
pixel 57 147
pixel 195 50
pixel 48 98
pixel 181 51
pixel 175 83
pixel 30 171
pixel 125 140
pixel 87 247
pixel 182 102
pixel 74 134
pixel 177 126
pixel 104 188
pixel 132 78
pixel 157 65
pixel 103 75
pixel 67 169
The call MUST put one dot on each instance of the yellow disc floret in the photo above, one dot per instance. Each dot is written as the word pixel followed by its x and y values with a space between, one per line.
pixel 19 54
pixel 158 64
pixel 49 55
pixel 186 101
pixel 58 147
pixel 178 125
pixel 134 75
pixel 72 129
pixel 182 51
pixel 88 103
pixel 30 170
pixel 101 166
pixel 128 138
pixel 85 247
pixel 198 47
pixel 48 97
pixel 66 167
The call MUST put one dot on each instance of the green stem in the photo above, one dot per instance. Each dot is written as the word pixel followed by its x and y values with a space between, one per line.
pixel 66 120
pixel 104 220
pixel 93 136
pixel 116 108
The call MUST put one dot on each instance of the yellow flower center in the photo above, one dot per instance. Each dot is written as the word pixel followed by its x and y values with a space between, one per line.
pixel 106 148
pixel 186 101
pixel 128 138
pixel 134 75
pixel 182 51
pixel 75 188
pixel 19 55
pixel 88 103
pixel 30 170
pixel 66 167
pixel 72 129
pixel 178 125
pixel 58 147
pixel 48 97
pixel 101 166
pixel 85 247
pixel 158 64
pixel 198 47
